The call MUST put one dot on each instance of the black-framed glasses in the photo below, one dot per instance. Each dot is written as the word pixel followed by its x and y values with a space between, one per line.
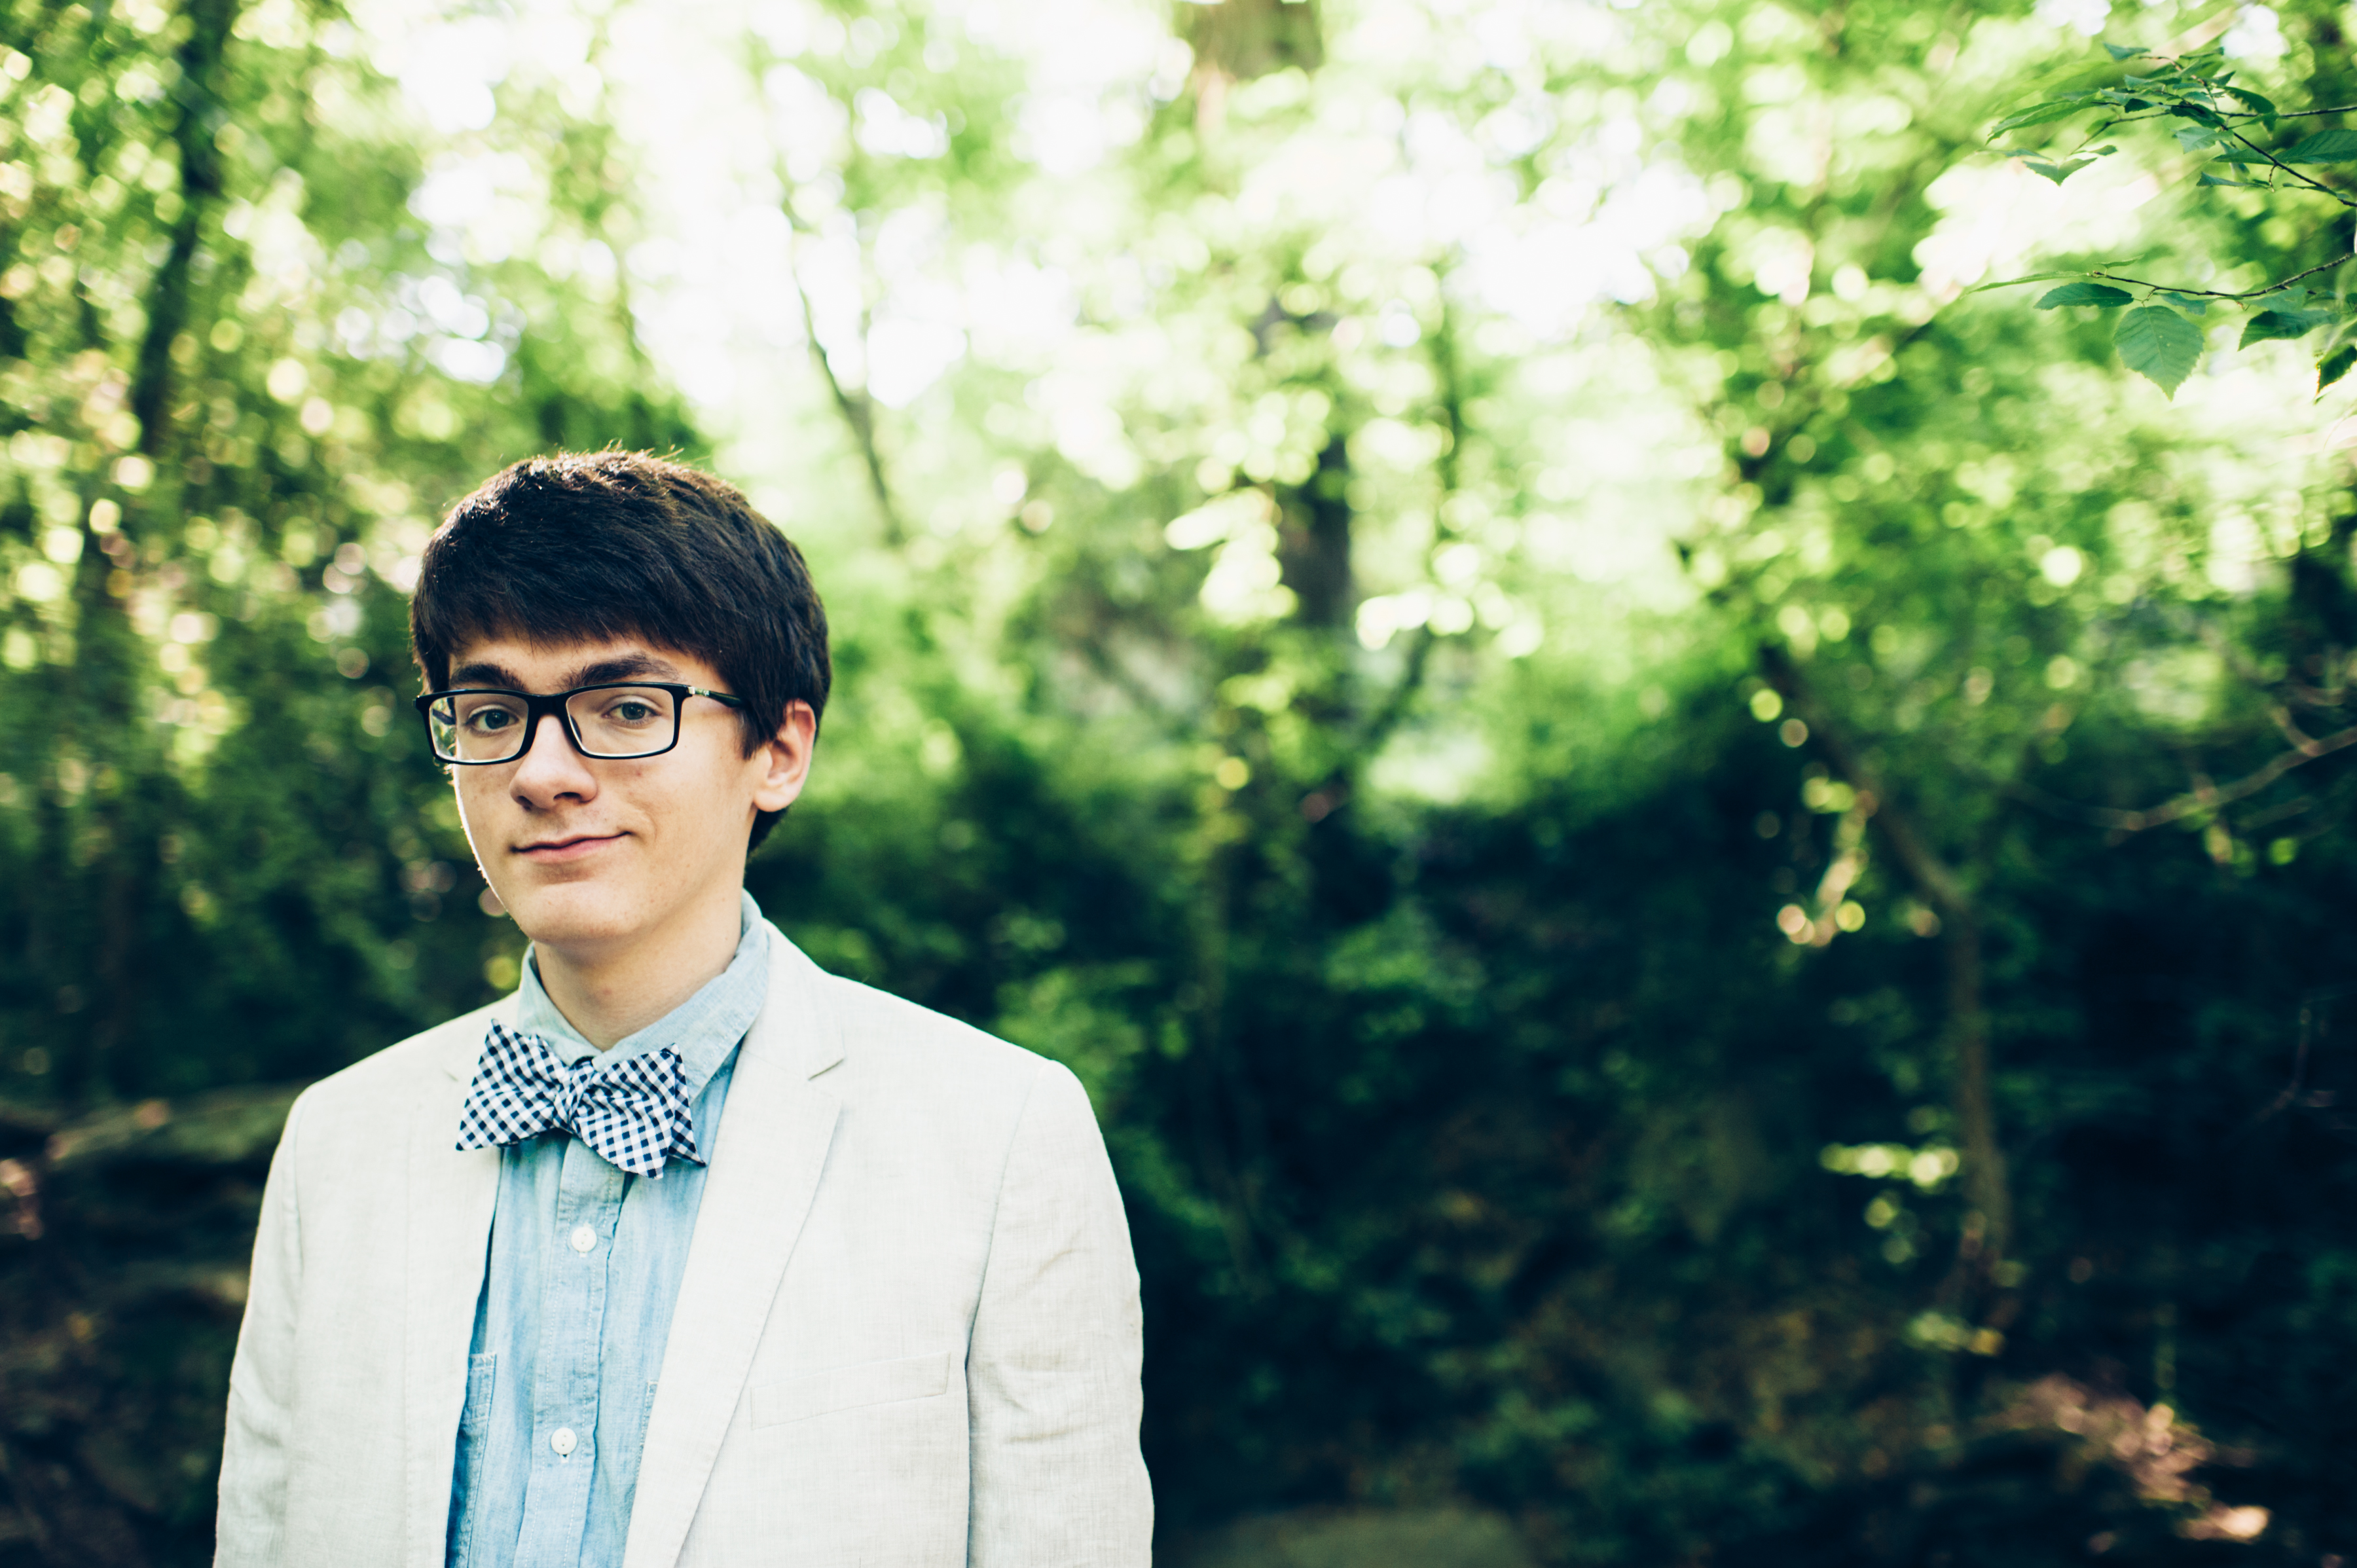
pixel 476 725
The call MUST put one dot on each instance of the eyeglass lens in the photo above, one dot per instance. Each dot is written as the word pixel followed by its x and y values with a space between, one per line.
pixel 609 722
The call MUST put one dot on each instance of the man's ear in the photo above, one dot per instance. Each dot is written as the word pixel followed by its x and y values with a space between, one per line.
pixel 785 759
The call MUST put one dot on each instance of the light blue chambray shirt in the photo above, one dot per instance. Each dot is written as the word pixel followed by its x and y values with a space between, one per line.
pixel 576 1304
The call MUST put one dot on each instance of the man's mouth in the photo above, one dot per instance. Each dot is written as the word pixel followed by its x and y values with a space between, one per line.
pixel 571 846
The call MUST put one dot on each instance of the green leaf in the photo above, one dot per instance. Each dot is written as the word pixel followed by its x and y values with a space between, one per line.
pixel 2159 345
pixel 2056 172
pixel 2012 282
pixel 2043 114
pixel 2193 138
pixel 2240 156
pixel 2097 294
pixel 2118 53
pixel 2268 324
pixel 2258 105
pixel 2324 147
pixel 2185 302
pixel 2332 367
pixel 2237 184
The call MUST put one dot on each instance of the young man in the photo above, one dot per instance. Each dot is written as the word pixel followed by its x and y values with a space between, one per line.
pixel 687 1252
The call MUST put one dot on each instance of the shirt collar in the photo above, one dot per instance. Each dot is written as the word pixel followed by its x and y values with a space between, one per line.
pixel 702 1029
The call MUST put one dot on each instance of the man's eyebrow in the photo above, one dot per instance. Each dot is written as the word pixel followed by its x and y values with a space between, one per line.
pixel 628 667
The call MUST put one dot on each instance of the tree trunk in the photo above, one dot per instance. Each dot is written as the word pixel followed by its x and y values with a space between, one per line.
pixel 201 188
pixel 1315 541
pixel 1985 1186
pixel 1989 1230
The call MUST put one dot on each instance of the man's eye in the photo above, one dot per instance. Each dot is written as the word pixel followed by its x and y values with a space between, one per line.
pixel 487 720
pixel 631 711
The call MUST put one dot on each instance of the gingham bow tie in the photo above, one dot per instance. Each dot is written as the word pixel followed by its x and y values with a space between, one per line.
pixel 634 1112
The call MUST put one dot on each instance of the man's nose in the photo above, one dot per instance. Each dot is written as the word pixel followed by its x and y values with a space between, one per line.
pixel 550 767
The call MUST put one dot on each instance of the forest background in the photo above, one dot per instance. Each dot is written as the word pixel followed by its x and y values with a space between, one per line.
pixel 1702 879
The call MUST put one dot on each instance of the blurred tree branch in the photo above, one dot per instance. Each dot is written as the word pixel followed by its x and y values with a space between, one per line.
pixel 2200 800
pixel 857 408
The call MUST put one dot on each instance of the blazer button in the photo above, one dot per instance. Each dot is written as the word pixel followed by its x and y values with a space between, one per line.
pixel 562 1440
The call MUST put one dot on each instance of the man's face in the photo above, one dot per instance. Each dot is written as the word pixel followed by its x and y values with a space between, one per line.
pixel 593 855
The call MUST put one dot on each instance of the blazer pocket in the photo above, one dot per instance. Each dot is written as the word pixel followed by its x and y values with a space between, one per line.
pixel 847 1388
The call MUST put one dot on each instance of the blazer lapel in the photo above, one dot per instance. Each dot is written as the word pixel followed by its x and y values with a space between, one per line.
pixel 450 1197
pixel 770 1149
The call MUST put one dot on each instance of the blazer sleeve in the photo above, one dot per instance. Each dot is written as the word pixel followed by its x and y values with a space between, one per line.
pixel 1052 1368
pixel 252 1529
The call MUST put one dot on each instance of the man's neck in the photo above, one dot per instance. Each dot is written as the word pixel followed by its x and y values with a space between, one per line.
pixel 610 994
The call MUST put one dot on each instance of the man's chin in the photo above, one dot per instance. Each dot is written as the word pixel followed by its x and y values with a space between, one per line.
pixel 573 914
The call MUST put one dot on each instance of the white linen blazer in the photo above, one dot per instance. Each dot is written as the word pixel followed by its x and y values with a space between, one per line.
pixel 907 1333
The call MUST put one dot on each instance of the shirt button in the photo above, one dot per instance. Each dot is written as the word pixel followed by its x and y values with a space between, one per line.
pixel 584 1237
pixel 562 1440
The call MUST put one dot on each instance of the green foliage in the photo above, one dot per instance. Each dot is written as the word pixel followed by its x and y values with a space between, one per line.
pixel 2335 365
pixel 2265 325
pixel 2190 94
pixel 2324 147
pixel 2158 343
pixel 2100 295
